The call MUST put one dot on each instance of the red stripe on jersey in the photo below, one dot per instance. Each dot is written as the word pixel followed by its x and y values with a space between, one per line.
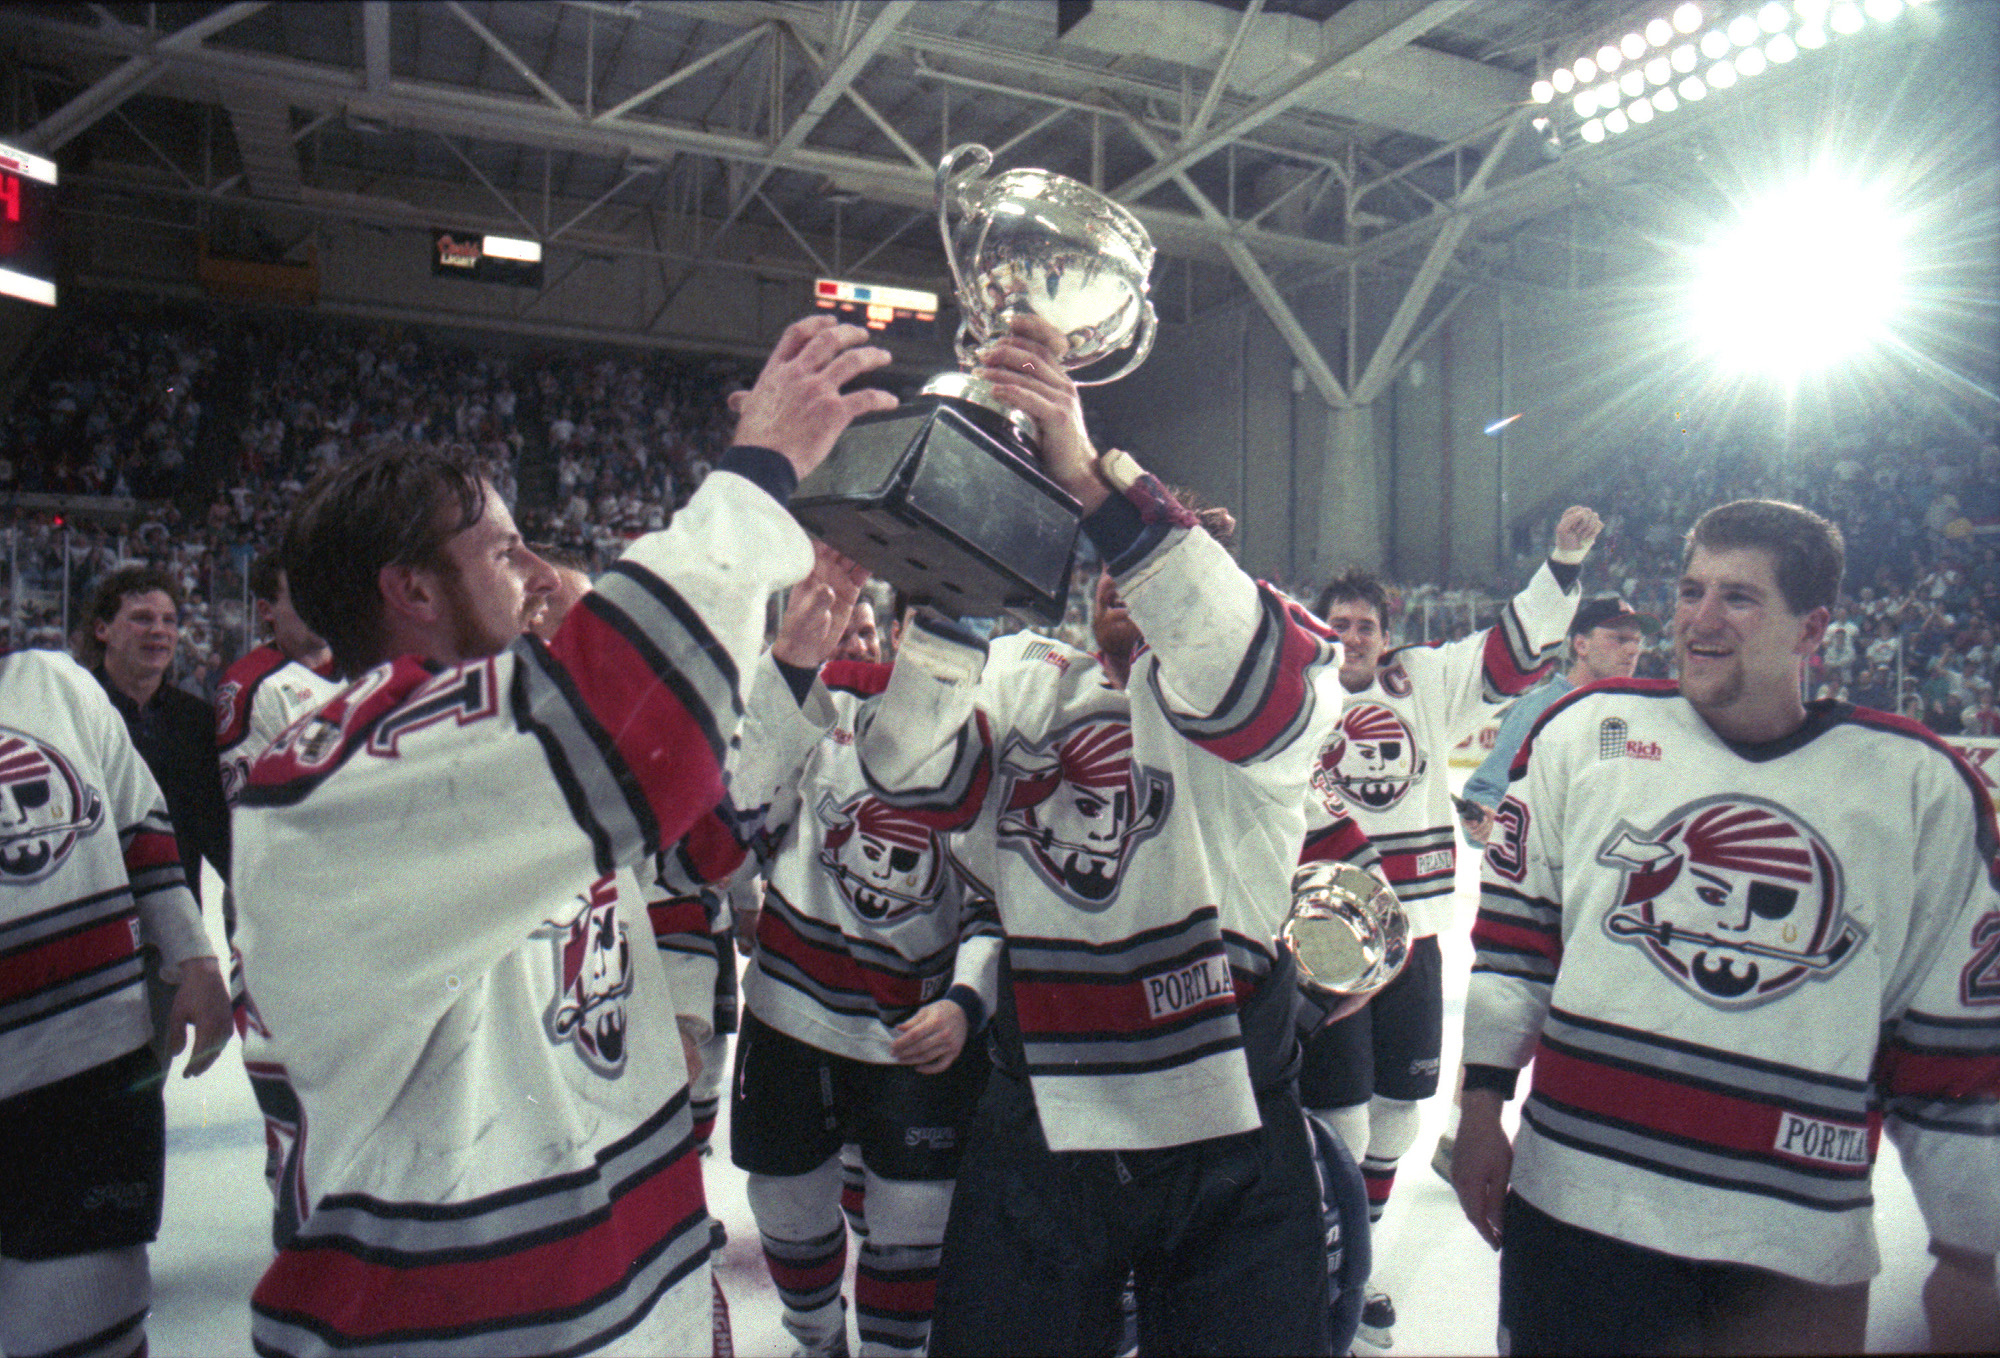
pixel 1502 674
pixel 684 915
pixel 1490 932
pixel 232 722
pixel 39 966
pixel 1280 707
pixel 710 849
pixel 662 743
pixel 855 676
pixel 332 1290
pixel 1341 842
pixel 1939 1075
pixel 1402 867
pixel 1669 1108
pixel 836 969
pixel 150 849
pixel 1063 1008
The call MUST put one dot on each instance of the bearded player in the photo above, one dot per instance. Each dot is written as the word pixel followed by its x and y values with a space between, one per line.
pixel 1387 764
pixel 1137 820
pixel 496 1150
pixel 1740 936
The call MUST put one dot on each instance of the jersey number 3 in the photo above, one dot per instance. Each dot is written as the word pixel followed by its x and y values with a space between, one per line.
pixel 1507 849
pixel 1979 983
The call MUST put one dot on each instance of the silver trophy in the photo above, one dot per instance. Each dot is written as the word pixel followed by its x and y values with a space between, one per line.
pixel 944 497
pixel 1347 930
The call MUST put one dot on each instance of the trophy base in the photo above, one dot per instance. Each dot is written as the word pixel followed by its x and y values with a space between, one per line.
pixel 938 498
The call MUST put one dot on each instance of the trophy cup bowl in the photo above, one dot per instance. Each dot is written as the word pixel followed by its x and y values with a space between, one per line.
pixel 1347 930
pixel 944 496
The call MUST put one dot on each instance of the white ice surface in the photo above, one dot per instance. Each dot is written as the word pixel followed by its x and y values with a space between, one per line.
pixel 215 1240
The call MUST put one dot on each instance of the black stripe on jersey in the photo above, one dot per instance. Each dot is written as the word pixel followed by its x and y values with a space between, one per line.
pixel 678 673
pixel 1862 1199
pixel 20 933
pixel 1940 1115
pixel 1856 1091
pixel 1249 691
pixel 1596 1056
pixel 74 992
pixel 948 795
pixel 603 853
pixel 1946 1035
pixel 1056 1065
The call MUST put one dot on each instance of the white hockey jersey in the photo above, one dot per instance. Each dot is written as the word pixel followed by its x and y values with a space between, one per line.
pixel 1389 758
pixel 260 695
pixel 89 875
pixel 1139 842
pixel 495 1150
pixel 1731 965
pixel 865 920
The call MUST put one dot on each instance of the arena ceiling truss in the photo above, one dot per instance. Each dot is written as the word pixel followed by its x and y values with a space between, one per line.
pixel 1270 146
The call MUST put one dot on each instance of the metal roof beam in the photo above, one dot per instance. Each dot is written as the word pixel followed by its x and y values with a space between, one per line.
pixel 1388 25
pixel 375 42
pixel 851 63
pixel 508 55
pixel 83 112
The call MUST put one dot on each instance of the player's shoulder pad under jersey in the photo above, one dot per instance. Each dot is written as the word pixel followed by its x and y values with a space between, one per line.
pixel 375 712
pixel 1582 695
pixel 1986 828
pixel 237 692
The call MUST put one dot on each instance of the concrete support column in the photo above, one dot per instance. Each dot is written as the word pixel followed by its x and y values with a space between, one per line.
pixel 1350 497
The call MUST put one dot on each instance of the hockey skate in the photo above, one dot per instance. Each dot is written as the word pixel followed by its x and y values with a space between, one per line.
pixel 1378 1320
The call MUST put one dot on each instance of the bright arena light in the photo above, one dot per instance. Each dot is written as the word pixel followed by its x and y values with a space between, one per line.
pixel 1780 50
pixel 1586 69
pixel 1687 18
pixel 1563 79
pixel 1642 112
pixel 1541 91
pixel 1633 82
pixel 1806 278
pixel 1608 59
pixel 1811 11
pixel 1883 10
pixel 1659 33
pixel 1592 131
pixel 1846 19
pixel 1692 89
pixel 1586 103
pixel 1773 17
pixel 1659 71
pixel 1811 37
pixel 1616 121
pixel 1715 44
pixel 1750 61
pixel 1721 76
pixel 1633 46
pixel 1664 101
pixel 1685 58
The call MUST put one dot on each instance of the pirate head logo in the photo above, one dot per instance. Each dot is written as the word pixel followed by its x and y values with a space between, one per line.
pixel 1736 898
pixel 44 808
pixel 886 862
pixel 593 960
pixel 1373 759
pixel 1078 804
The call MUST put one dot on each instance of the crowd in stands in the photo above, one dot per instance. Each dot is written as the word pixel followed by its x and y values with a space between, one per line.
pixel 214 420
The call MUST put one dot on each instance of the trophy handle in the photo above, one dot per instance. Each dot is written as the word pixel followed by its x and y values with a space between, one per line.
pixel 951 183
pixel 1149 324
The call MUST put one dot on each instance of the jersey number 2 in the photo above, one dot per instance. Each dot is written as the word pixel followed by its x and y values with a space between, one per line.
pixel 1979 983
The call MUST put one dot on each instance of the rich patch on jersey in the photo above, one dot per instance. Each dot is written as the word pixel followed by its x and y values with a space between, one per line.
pixel 593 967
pixel 887 863
pixel 1373 759
pixel 1078 804
pixel 1736 898
pixel 45 807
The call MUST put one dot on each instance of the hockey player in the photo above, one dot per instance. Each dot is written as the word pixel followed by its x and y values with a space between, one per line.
pixel 871 970
pixel 272 685
pixel 1388 762
pixel 1740 936
pixel 495 1148
pixel 1139 828
pixel 90 879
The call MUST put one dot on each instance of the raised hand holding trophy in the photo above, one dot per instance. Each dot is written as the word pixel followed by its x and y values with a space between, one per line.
pixel 943 496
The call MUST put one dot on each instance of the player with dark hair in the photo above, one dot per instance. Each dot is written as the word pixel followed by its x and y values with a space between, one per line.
pixel 1386 764
pixel 263 692
pixel 90 880
pixel 1734 962
pixel 495 1149
pixel 1137 818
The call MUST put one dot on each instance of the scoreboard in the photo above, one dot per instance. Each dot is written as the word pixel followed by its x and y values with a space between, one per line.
pixel 27 226
pixel 899 312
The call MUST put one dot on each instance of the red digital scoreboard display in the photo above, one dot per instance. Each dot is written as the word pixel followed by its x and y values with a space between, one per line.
pixel 27 226
pixel 902 312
